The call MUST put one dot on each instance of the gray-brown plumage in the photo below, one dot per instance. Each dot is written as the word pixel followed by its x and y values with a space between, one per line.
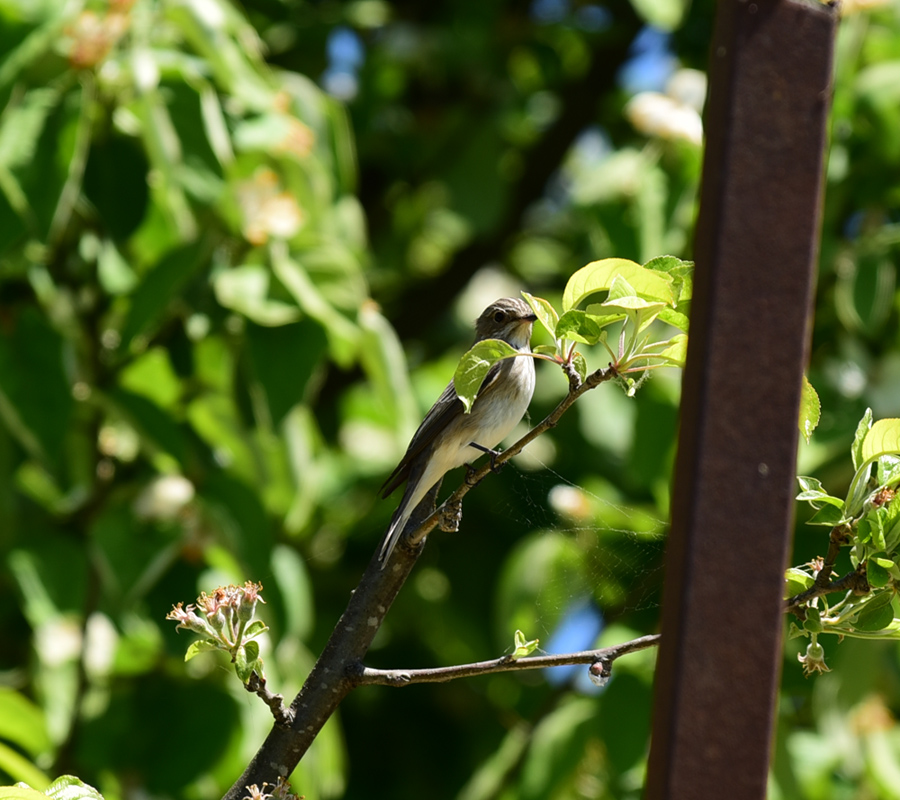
pixel 443 440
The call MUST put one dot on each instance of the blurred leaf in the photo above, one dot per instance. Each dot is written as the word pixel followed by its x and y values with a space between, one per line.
pixel 666 15
pixel 284 360
pixel 342 334
pixel 556 748
pixel 21 792
pixel 158 288
pixel 540 578
pixel 22 723
pixel 624 720
pixel 293 582
pixel 151 375
pixel 115 182
pixel 385 364
pixel 474 365
pixel 245 289
pixel 35 399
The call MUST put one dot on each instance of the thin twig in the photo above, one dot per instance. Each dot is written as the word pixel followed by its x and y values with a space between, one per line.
pixel 366 676
pixel 257 685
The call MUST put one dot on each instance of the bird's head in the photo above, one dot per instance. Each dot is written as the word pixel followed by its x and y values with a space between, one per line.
pixel 510 319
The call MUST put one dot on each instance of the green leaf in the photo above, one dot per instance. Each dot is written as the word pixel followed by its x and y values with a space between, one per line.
pixel 676 352
pixel 35 395
pixel 663 14
pixel 883 438
pixel 19 792
pixel 676 319
pixel 343 335
pixel 255 628
pixel 545 313
pixel 242 665
pixel 580 366
pixel 473 368
pixel 877 613
pixel 68 787
pixel 522 646
pixel 245 289
pixel 827 515
pixel 19 768
pixel 810 409
pixel 814 494
pixel 598 276
pixel 878 571
pixel 161 285
pixel 22 722
pixel 252 650
pixel 546 350
pixel 861 431
pixel 201 646
pixel 796 581
pixel 578 326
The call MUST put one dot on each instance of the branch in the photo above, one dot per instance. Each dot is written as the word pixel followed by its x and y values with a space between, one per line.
pixel 855 581
pixel 257 685
pixel 336 673
pixel 366 676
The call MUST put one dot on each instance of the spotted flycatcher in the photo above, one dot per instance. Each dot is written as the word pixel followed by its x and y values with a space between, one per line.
pixel 448 437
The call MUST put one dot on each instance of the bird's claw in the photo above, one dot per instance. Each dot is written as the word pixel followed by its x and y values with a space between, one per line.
pixel 450 516
pixel 494 454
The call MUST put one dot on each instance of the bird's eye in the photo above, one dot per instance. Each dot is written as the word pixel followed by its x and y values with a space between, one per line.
pixel 499 316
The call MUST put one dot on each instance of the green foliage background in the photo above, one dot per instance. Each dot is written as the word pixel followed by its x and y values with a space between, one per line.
pixel 226 299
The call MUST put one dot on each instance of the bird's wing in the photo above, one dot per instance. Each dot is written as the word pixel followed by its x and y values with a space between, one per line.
pixel 446 408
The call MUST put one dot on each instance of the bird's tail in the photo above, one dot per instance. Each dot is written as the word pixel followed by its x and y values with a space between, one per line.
pixel 395 529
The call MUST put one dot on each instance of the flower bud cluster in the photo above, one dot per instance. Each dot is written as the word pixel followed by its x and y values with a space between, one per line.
pixel 225 619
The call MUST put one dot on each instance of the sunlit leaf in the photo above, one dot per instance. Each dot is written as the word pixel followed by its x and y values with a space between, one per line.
pixel 862 430
pixel 201 646
pixel 883 438
pixel 522 646
pixel 598 276
pixel 810 409
pixel 545 312
pixel 474 366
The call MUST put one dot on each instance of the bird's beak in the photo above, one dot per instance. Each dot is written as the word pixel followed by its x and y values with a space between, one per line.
pixel 530 318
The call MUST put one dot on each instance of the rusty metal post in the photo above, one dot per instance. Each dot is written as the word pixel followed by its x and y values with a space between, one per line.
pixel 732 507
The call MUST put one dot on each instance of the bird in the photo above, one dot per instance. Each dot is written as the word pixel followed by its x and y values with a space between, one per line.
pixel 448 437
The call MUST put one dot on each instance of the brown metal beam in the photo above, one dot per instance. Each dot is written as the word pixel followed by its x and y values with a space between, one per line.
pixel 732 508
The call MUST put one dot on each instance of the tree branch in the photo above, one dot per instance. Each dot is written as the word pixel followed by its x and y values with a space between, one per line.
pixel 366 676
pixel 336 673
